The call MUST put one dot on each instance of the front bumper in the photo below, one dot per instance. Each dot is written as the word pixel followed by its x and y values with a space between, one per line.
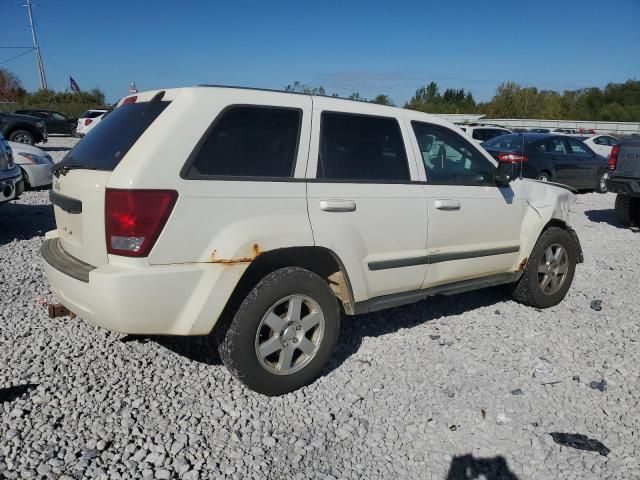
pixel 182 299
pixel 11 188
pixel 38 175
pixel 624 185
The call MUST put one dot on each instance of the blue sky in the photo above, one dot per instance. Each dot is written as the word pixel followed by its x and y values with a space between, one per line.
pixel 372 47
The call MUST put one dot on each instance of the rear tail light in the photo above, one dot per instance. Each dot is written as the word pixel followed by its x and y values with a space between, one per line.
pixel 130 100
pixel 512 158
pixel 135 218
pixel 613 157
pixel 88 121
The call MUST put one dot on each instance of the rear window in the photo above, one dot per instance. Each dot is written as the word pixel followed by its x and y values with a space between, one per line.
pixel 112 138
pixel 505 142
pixel 91 114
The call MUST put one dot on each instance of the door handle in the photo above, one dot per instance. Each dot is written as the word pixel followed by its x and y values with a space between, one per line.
pixel 338 205
pixel 447 205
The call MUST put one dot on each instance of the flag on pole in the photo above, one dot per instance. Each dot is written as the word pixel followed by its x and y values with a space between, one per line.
pixel 75 88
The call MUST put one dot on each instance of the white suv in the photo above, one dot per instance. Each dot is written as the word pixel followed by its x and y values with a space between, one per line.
pixel 260 216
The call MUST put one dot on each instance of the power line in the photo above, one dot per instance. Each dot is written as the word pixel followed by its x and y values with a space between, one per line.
pixel 31 49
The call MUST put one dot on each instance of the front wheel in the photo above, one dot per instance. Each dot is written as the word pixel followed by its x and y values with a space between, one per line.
pixel 549 271
pixel 283 333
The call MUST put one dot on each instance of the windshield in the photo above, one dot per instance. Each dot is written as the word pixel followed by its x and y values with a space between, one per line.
pixel 112 138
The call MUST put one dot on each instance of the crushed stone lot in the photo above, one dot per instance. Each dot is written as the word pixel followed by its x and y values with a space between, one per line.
pixel 453 387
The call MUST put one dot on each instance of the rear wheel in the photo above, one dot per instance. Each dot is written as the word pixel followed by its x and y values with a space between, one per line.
pixel 544 177
pixel 549 271
pixel 628 210
pixel 22 136
pixel 283 333
pixel 602 183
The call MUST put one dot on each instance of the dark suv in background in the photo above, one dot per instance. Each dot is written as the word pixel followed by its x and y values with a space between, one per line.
pixel 22 128
pixel 624 179
pixel 552 158
pixel 55 122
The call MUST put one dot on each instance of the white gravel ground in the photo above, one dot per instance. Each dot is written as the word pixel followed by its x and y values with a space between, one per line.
pixel 424 391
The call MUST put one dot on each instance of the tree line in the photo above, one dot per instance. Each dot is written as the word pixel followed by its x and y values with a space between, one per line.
pixel 14 96
pixel 616 102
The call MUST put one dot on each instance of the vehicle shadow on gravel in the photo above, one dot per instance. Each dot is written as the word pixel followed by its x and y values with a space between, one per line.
pixel 55 149
pixel 468 467
pixel 604 216
pixel 23 222
pixel 10 394
pixel 355 329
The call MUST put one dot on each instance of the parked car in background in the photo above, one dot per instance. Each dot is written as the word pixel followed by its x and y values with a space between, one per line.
pixel 601 144
pixel 539 130
pixel 55 122
pixel 88 120
pixel 553 158
pixel 11 184
pixel 624 179
pixel 482 133
pixel 298 187
pixel 22 128
pixel 566 131
pixel 35 165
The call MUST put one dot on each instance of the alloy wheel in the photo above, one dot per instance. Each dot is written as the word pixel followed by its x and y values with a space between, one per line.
pixel 290 334
pixel 552 269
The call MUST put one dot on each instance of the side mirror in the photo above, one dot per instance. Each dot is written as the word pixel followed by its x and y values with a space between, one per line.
pixel 505 173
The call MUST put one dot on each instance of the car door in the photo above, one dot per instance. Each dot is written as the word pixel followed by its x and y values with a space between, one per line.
pixel 555 153
pixel 587 164
pixel 60 123
pixel 474 226
pixel 364 201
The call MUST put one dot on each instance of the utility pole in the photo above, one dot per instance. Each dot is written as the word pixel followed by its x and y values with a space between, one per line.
pixel 43 78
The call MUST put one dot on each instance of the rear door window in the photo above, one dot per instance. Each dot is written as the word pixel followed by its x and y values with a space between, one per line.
pixel 248 141
pixel 577 147
pixel 112 138
pixel 552 145
pixel 361 147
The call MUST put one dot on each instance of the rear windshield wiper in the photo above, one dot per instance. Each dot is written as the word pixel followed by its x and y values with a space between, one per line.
pixel 62 168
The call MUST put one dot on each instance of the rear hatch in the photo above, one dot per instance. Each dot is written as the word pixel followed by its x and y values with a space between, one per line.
pixel 629 158
pixel 78 192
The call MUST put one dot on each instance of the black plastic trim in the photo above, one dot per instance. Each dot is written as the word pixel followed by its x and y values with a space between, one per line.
pixel 439 258
pixel 53 253
pixel 68 204
pixel 406 298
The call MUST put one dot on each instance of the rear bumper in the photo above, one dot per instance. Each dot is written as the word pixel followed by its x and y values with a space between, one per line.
pixel 625 185
pixel 152 300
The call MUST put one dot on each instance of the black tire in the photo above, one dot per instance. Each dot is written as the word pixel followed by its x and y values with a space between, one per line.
pixel 544 176
pixel 628 210
pixel 237 340
pixel 22 136
pixel 601 187
pixel 528 290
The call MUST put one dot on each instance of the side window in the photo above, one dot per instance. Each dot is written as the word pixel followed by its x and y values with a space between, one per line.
pixel 361 147
pixel 249 141
pixel 611 141
pixel 479 134
pixel 58 116
pixel 577 147
pixel 552 145
pixel 449 159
